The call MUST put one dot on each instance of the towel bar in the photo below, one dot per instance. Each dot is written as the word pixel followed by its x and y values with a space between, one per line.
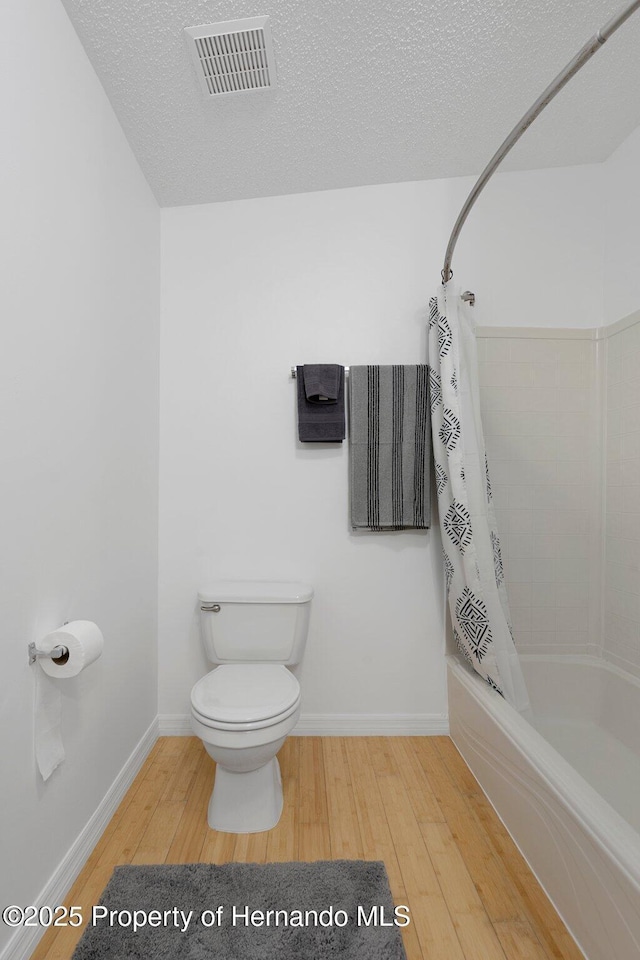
pixel 293 372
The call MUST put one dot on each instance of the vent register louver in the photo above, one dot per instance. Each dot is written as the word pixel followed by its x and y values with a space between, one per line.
pixel 233 57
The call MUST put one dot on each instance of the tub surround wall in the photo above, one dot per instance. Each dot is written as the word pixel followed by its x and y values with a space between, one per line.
pixel 80 307
pixel 565 462
pixel 540 414
pixel 622 497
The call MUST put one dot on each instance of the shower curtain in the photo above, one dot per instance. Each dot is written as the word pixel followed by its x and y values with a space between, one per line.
pixel 473 565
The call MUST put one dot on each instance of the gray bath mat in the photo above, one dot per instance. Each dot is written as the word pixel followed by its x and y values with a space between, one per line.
pixel 245 911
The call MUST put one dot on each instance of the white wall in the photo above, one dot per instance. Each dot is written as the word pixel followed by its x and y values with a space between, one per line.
pixel 252 288
pixel 532 248
pixel 621 173
pixel 249 289
pixel 78 441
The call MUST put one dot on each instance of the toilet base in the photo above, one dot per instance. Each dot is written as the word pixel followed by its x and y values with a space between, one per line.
pixel 246 802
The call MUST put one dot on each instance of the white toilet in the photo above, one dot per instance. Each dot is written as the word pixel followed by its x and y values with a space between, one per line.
pixel 245 708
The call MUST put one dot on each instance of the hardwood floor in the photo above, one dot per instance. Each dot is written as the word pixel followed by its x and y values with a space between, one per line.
pixel 410 801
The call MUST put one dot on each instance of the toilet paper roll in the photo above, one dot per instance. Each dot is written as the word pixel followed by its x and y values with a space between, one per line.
pixel 82 638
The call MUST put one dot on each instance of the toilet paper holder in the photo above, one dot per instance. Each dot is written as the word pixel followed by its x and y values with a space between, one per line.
pixel 60 653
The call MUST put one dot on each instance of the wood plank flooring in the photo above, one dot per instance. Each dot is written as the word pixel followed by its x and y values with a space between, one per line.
pixel 410 801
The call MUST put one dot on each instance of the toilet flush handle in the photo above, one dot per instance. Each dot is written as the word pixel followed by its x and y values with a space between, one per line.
pixel 210 607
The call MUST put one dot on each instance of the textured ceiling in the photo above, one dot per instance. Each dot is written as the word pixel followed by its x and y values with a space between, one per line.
pixel 369 91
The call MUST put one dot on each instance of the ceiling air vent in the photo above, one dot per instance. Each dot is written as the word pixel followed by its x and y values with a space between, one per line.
pixel 233 57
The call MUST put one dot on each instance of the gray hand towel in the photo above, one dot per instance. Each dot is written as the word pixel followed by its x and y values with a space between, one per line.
pixel 390 446
pixel 321 420
pixel 322 382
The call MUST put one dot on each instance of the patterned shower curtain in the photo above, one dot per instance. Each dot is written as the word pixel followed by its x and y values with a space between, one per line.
pixel 473 565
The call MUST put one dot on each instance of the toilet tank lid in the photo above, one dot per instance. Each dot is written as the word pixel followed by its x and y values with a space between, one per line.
pixel 255 591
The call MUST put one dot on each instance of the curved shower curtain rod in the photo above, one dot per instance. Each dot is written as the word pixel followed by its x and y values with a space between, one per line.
pixel 590 47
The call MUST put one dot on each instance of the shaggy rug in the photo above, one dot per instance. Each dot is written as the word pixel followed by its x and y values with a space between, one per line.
pixel 238 911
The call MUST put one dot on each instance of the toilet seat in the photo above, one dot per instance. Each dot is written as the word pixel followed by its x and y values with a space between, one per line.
pixel 232 728
pixel 245 696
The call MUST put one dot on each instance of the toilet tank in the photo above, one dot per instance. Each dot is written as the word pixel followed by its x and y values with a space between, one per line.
pixel 256 621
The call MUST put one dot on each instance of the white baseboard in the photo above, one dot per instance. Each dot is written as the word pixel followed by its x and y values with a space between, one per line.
pixel 371 725
pixel 174 725
pixel 23 943
pixel 337 725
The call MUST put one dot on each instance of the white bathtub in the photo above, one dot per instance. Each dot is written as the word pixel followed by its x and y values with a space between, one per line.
pixel 575 816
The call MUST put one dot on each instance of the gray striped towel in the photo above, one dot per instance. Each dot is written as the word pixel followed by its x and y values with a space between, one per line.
pixel 390 446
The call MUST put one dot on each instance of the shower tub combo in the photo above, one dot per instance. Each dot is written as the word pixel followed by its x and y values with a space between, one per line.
pixel 566 786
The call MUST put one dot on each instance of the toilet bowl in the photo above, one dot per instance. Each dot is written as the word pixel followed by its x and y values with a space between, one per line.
pixel 245 708
pixel 243 714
